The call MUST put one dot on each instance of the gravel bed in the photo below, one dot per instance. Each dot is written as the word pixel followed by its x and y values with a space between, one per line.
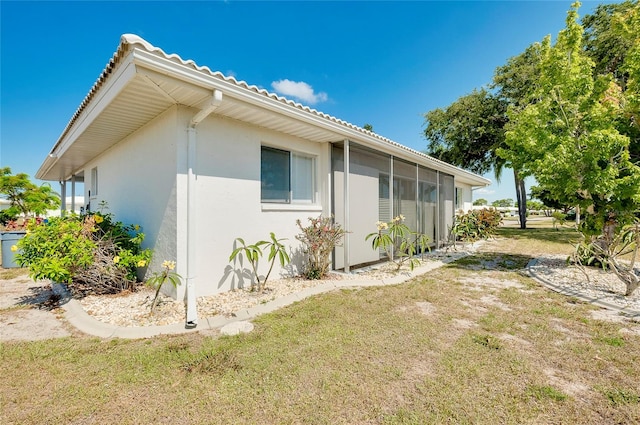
pixel 599 285
pixel 131 309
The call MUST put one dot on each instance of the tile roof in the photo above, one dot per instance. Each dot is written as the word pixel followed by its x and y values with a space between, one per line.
pixel 129 41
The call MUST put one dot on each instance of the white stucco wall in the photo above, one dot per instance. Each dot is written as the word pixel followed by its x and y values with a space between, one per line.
pixel 144 178
pixel 228 200
pixel 137 180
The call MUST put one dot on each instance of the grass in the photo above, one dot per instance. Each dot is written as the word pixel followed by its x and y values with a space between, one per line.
pixel 8 274
pixel 484 352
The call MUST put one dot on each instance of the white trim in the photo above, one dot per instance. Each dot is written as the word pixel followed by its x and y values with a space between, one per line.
pixel 291 207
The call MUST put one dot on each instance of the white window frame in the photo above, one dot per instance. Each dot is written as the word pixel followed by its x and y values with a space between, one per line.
pixel 94 183
pixel 459 193
pixel 314 181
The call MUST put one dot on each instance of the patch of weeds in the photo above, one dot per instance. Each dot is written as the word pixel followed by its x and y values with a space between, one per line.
pixel 491 323
pixel 546 392
pixel 15 307
pixel 404 417
pixel 177 346
pixel 487 340
pixel 553 309
pixel 620 397
pixel 614 341
pixel 8 274
pixel 492 261
pixel 470 260
pixel 214 362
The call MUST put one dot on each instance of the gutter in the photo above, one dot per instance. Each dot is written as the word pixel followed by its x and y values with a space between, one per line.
pixel 192 310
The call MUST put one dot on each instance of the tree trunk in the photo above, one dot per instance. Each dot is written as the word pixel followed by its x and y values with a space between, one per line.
pixel 521 196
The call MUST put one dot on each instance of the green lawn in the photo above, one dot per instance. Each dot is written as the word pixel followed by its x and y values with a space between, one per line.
pixel 465 344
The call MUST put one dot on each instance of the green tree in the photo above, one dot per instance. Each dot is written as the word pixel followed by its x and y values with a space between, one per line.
pixel 468 132
pixel 503 203
pixel 514 83
pixel 480 202
pixel 568 138
pixel 25 196
pixel 535 206
pixel 604 42
pixel 612 40
pixel 544 196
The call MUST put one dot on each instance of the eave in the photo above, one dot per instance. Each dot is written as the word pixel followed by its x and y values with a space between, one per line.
pixel 141 82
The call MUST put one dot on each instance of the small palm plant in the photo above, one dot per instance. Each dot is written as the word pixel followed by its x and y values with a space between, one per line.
pixel 395 238
pixel 165 275
pixel 253 253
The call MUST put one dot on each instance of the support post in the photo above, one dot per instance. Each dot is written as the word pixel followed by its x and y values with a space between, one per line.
pixel 439 224
pixel 347 225
pixel 73 193
pixel 63 198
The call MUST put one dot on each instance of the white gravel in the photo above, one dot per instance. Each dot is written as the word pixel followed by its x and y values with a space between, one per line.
pixel 600 285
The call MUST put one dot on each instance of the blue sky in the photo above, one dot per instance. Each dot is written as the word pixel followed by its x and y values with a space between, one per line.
pixel 383 63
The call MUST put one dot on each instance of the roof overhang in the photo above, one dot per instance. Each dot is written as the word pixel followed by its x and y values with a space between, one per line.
pixel 141 82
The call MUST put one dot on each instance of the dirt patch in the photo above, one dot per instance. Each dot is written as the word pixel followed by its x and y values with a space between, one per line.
pixel 30 325
pixel 493 301
pixel 572 388
pixel 515 339
pixel 489 282
pixel 27 311
pixel 464 323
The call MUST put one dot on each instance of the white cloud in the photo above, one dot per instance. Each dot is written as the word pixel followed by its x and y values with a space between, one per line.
pixel 485 191
pixel 299 90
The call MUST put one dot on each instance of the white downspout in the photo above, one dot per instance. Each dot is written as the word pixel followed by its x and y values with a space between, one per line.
pixel 192 311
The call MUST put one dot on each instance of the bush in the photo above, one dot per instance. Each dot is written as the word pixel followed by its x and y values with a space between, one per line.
pixel 6 217
pixel 399 243
pixel 319 239
pixel 93 254
pixel 476 225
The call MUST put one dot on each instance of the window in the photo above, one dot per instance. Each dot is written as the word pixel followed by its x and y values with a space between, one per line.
pixel 459 198
pixel 94 183
pixel 287 177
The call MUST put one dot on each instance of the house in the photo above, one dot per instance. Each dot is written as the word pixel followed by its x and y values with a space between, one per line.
pixel 199 159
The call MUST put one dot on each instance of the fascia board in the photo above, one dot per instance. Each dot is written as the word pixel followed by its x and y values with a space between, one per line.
pixel 106 94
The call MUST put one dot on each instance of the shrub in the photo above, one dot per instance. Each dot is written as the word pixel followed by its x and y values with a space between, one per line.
pixel 399 243
pixel 558 218
pixel 476 225
pixel 608 249
pixel 6 217
pixel 319 239
pixel 253 254
pixel 159 278
pixel 93 254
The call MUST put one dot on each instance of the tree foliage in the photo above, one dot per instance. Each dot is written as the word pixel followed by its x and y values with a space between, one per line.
pixel 26 197
pixel 468 132
pixel 544 196
pixel 503 203
pixel 612 41
pixel 568 138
